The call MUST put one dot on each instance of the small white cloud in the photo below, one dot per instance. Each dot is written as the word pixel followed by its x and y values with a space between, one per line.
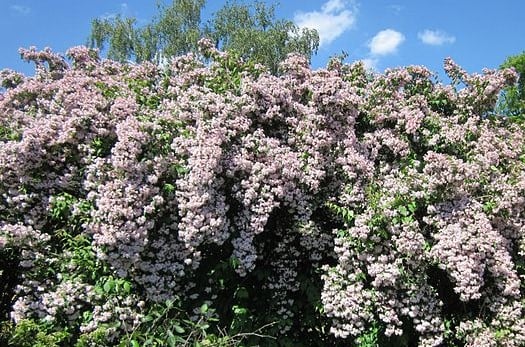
pixel 370 63
pixel 23 10
pixel 386 42
pixel 333 6
pixel 108 16
pixel 124 8
pixel 124 11
pixel 435 37
pixel 334 18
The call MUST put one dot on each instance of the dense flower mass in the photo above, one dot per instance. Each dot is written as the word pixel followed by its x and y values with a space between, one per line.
pixel 336 205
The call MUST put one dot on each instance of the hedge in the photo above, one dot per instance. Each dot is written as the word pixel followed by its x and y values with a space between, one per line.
pixel 208 202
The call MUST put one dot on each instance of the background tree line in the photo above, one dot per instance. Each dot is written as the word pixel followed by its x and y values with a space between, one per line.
pixel 250 30
pixel 512 100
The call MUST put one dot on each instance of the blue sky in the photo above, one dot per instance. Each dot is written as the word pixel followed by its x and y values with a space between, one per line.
pixel 384 33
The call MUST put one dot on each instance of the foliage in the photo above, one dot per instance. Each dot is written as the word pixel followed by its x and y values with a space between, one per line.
pixel 512 101
pixel 251 31
pixel 216 204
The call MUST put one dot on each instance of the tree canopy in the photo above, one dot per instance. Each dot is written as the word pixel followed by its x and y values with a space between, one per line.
pixel 250 30
pixel 513 98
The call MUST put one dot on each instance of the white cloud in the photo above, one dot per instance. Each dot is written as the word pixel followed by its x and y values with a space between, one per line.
pixel 23 10
pixel 124 11
pixel 435 37
pixel 108 16
pixel 124 8
pixel 385 42
pixel 334 18
pixel 333 6
pixel 370 63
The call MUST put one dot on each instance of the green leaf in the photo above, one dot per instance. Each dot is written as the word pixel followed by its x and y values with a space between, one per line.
pixel 87 316
pixel 169 188
pixel 171 340
pixel 240 311
pixel 234 262
pixel 181 170
pixel 109 285
pixel 407 219
pixel 178 329
pixel 403 211
pixel 99 290
pixel 204 308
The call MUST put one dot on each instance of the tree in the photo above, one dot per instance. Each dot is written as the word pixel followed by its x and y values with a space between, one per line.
pixel 254 33
pixel 250 30
pixel 175 31
pixel 512 102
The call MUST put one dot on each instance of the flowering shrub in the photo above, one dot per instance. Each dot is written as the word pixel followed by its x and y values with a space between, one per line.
pixel 142 204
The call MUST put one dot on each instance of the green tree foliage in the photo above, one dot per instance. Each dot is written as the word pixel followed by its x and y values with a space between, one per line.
pixel 176 30
pixel 512 102
pixel 250 30
pixel 253 32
